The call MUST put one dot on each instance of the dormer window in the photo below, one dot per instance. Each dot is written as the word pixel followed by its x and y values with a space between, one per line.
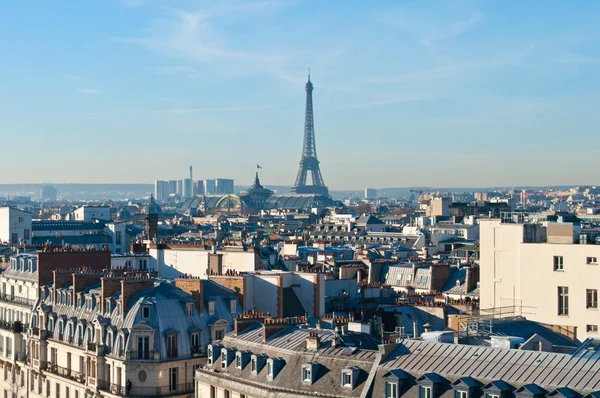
pixel 465 387
pixel 189 309
pixel 274 365
pixel 253 366
pixel 306 375
pixel 391 389
pixel 145 312
pixel 429 383
pixel 241 359
pixel 257 361
pixel 349 377
pixel 211 307
pixel 214 351
pixel 497 389
pixel 233 306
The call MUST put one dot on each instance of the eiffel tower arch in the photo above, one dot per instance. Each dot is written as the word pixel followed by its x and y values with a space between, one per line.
pixel 309 161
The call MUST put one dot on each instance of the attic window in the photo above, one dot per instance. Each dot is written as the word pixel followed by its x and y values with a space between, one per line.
pixel 233 306
pixel 391 389
pixel 189 309
pixel 145 312
pixel 211 308
pixel 425 392
pixel 350 376
pixel 306 375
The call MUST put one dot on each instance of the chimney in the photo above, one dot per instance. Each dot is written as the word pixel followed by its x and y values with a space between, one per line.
pixel 151 226
pixel 108 287
pixel 240 324
pixel 313 341
pixel 61 278
pixel 129 287
pixel 85 280
pixel 272 326
pixel 472 277
pixel 194 287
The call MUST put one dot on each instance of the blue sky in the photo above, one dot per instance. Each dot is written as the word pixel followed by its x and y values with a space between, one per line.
pixel 441 93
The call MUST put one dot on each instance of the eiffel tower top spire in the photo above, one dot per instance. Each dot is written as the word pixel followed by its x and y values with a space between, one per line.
pixel 309 161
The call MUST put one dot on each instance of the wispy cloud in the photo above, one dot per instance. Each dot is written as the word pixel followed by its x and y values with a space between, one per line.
pixel 391 101
pixel 175 70
pixel 209 109
pixel 577 59
pixel 90 91
pixel 192 35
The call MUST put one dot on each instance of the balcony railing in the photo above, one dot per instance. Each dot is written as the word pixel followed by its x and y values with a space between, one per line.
pixel 135 391
pixel 60 371
pixel 17 300
pixel 112 388
pixel 142 355
pixel 15 327
pixel 172 353
pixel 196 350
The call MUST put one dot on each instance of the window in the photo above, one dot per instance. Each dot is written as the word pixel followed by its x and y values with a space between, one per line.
pixel 224 360
pixel 492 396
pixel 146 312
pixel 558 263
pixel 563 300
pixel 536 346
pixel 306 374
pixel 219 334
pixel 211 308
pixel 226 394
pixel 233 306
pixel 143 347
pixel 118 237
pixel 195 342
pixel 20 219
pixel 173 379
pixel 347 379
pixel 269 369
pixel 189 309
pixel 26 234
pixel 172 346
pixel 591 298
pixel 425 392
pixel 591 260
pixel 14 238
pixel 391 390
pixel 67 392
pixel 460 394
pixel 253 365
pixel 57 390
pixel 238 361
pixel 591 328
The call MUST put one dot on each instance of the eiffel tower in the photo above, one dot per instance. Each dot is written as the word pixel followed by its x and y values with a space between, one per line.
pixel 309 161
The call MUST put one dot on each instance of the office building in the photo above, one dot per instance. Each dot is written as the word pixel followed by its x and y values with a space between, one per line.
pixel 224 186
pixel 370 193
pixel 209 187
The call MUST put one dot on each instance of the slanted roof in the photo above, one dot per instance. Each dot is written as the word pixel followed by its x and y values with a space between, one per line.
pixel 498 385
pixel 531 390
pixel 396 374
pixel 564 392
pixel 432 378
pixel 520 327
pixel 466 382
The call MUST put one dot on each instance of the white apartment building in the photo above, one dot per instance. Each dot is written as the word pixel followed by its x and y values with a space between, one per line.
pixel 18 294
pixel 15 226
pixel 546 272
pixel 90 213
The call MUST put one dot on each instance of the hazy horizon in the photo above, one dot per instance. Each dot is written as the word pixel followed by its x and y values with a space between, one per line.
pixel 430 94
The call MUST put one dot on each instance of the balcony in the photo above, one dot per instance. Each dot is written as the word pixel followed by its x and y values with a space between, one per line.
pixel 196 350
pixel 135 391
pixel 17 300
pixel 143 355
pixel 172 353
pixel 15 327
pixel 60 371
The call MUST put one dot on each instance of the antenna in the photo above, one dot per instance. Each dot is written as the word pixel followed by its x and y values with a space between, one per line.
pixel 308 74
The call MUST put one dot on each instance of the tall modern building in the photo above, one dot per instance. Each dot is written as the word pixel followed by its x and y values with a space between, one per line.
pixel 48 193
pixel 179 188
pixel 199 187
pixel 309 161
pixel 161 190
pixel 370 193
pixel 187 188
pixel 224 186
pixel 210 187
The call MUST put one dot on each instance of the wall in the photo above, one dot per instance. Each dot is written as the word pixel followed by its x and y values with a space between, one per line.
pixel 9 224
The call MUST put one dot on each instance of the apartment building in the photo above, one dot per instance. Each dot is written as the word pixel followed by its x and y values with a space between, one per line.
pixel 293 358
pixel 120 333
pixel 547 272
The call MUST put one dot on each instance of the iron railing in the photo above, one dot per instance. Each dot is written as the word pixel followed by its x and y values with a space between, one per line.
pixel 15 327
pixel 60 371
pixel 17 300
pixel 141 355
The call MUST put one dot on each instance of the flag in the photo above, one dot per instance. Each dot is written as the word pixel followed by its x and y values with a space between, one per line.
pixel 258 166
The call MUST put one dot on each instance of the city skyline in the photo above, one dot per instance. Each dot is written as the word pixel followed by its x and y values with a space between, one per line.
pixel 406 94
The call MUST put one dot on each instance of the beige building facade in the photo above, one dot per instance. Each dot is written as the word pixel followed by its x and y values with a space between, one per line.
pixel 545 272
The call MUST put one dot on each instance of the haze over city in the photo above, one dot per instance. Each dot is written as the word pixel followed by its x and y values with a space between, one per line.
pixel 407 93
